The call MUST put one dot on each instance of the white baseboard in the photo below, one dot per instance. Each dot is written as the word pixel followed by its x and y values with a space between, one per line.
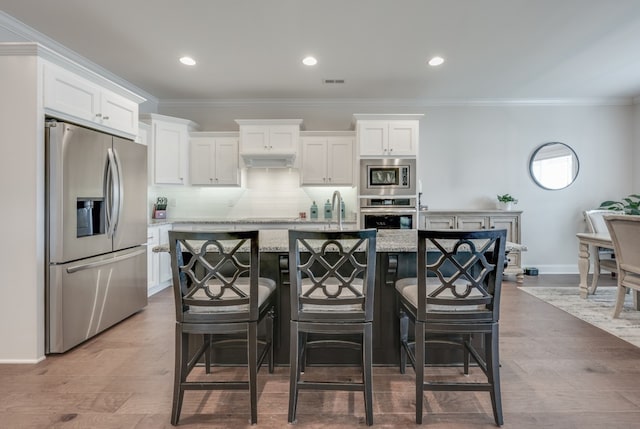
pixel 22 361
pixel 157 288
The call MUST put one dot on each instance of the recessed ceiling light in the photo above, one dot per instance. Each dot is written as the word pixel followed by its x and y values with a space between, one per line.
pixel 436 61
pixel 309 61
pixel 188 61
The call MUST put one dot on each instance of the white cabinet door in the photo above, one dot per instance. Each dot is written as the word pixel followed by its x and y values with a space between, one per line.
pixel 214 161
pixel 200 161
pixel 340 161
pixel 226 166
pixel 164 274
pixel 327 160
pixel 153 258
pixel 510 223
pixel 254 138
pixel 314 161
pixel 403 138
pixel 67 93
pixel 118 112
pixel 284 138
pixel 373 137
pixel 170 142
pixel 388 138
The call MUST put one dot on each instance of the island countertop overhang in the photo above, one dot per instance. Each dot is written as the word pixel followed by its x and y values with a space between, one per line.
pixel 387 240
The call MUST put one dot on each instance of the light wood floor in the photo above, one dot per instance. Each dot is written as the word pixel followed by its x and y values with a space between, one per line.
pixel 557 372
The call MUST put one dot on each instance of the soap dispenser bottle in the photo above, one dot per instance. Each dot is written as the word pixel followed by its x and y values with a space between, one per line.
pixel 328 212
pixel 313 211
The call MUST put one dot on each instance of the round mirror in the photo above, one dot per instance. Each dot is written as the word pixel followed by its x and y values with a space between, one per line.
pixel 554 166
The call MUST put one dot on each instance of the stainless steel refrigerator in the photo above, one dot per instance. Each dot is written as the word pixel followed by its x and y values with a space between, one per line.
pixel 96 225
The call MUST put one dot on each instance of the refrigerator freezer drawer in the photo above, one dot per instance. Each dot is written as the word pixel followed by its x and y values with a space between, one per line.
pixel 88 296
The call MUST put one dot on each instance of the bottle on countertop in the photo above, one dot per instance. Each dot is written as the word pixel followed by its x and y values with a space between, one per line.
pixel 328 212
pixel 313 211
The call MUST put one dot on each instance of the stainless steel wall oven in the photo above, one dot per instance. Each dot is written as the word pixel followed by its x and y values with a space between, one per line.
pixel 388 213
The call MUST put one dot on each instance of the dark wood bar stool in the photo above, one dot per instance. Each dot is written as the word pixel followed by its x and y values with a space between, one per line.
pixel 332 285
pixel 220 297
pixel 456 296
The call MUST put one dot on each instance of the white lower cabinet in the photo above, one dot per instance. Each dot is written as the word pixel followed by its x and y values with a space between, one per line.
pixel 158 263
pixel 479 219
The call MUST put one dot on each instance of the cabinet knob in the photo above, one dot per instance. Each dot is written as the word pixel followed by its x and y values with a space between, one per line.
pixel 391 150
pixel 106 118
pixel 98 115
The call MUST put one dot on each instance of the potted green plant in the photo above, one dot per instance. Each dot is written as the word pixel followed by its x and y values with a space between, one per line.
pixel 629 205
pixel 506 201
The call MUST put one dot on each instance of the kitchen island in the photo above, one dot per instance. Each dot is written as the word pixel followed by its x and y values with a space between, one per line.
pixel 395 258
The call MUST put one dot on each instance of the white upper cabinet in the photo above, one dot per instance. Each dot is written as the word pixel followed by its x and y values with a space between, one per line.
pixel 214 159
pixel 169 148
pixel 70 96
pixel 388 135
pixel 269 142
pixel 327 160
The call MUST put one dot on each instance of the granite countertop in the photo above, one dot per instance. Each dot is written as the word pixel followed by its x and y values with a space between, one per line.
pixel 248 221
pixel 388 240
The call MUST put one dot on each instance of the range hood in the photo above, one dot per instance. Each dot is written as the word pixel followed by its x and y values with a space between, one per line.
pixel 268 160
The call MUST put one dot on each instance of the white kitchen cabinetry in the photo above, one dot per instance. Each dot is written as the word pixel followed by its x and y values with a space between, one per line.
pixel 269 142
pixel 70 96
pixel 327 160
pixel 388 138
pixel 479 219
pixel 158 263
pixel 169 148
pixel 214 159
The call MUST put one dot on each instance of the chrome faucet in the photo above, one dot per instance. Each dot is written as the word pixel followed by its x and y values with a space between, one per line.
pixel 336 194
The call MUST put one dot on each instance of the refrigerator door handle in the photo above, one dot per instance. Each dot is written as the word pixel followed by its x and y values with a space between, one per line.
pixel 119 190
pixel 82 267
pixel 110 193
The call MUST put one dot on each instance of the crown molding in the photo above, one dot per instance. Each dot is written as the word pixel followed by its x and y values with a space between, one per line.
pixel 409 103
pixel 56 52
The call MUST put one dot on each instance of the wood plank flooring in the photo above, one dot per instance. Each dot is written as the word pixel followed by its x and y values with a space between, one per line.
pixel 557 372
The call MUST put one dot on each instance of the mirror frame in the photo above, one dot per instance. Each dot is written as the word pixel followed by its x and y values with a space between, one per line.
pixel 533 156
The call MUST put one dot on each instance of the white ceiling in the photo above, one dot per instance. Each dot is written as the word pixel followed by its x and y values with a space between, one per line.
pixel 251 49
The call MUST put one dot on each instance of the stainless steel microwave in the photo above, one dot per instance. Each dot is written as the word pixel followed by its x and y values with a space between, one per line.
pixel 388 176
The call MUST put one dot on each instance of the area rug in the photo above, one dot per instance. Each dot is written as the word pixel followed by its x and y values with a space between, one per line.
pixel 595 310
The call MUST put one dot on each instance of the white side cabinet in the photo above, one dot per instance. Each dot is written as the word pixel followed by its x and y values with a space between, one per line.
pixel 269 142
pixel 158 263
pixel 480 219
pixel 214 159
pixel 388 138
pixel 71 96
pixel 327 160
pixel 169 149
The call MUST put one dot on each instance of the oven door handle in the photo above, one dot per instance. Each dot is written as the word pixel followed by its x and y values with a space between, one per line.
pixel 387 210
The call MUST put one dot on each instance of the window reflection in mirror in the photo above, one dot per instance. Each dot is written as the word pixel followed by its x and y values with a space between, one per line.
pixel 554 166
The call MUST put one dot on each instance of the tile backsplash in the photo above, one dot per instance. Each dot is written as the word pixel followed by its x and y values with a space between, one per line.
pixel 265 193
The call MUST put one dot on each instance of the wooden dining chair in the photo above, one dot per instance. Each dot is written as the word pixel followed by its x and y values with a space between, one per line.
pixel 603 259
pixel 455 298
pixel 332 278
pixel 625 234
pixel 220 298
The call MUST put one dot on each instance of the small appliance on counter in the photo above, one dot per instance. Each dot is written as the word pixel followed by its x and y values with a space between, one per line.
pixel 160 208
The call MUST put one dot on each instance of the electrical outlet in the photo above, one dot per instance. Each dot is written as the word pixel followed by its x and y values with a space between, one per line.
pixel 172 202
pixel 231 203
